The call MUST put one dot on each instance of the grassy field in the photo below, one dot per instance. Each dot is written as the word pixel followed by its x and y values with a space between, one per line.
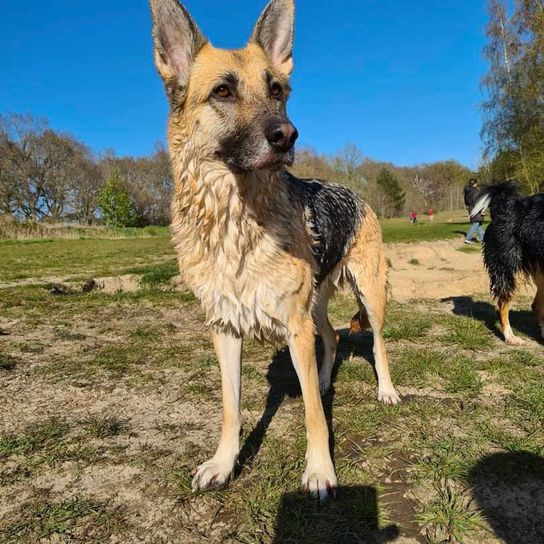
pixel 109 401
pixel 95 252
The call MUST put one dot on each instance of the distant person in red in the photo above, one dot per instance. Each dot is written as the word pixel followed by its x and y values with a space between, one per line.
pixel 430 213
pixel 413 217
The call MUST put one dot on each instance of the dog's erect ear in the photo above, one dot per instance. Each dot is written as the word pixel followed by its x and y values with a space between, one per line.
pixel 274 32
pixel 177 41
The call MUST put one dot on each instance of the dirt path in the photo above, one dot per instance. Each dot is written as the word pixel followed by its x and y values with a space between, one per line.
pixel 435 270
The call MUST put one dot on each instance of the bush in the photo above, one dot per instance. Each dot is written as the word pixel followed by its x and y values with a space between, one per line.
pixel 115 203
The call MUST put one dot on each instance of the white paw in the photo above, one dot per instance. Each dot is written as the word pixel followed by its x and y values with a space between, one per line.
pixel 320 482
pixel 212 474
pixel 324 384
pixel 514 341
pixel 388 396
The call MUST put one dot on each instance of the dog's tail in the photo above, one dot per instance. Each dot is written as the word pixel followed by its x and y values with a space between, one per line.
pixel 494 197
pixel 359 322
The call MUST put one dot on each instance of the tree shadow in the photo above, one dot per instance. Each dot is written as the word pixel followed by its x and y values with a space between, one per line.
pixel 521 320
pixel 509 490
pixel 284 384
pixel 351 518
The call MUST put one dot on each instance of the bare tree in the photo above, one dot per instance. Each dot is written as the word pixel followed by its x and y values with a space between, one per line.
pixel 42 173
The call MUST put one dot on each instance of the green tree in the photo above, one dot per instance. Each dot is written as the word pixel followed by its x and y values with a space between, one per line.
pixel 513 130
pixel 115 203
pixel 392 196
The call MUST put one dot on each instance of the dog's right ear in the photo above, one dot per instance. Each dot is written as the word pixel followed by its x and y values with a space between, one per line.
pixel 177 41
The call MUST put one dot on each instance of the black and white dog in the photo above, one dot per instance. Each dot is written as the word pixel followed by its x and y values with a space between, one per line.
pixel 513 246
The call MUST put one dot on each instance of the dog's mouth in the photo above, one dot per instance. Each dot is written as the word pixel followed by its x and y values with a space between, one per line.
pixel 271 160
pixel 275 160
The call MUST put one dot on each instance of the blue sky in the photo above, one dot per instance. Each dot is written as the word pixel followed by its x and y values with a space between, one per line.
pixel 399 79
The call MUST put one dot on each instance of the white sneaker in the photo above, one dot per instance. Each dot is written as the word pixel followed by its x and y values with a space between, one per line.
pixel 469 242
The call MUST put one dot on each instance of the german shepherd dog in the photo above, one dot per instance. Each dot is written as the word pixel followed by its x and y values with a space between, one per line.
pixel 513 246
pixel 261 249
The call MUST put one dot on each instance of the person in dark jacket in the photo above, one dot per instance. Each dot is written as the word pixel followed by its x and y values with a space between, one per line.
pixel 471 196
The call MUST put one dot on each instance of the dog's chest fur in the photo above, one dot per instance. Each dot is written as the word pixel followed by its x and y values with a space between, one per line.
pixel 243 249
pixel 253 248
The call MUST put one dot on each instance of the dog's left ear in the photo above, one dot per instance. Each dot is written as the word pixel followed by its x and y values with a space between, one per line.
pixel 274 33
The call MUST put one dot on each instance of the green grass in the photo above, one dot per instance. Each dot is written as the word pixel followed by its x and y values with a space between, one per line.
pixel 448 518
pixel 466 332
pixel 7 362
pixel 47 437
pixel 76 519
pixel 403 325
pixel 446 226
pixel 133 396
pixel 158 275
pixel 476 248
pixel 401 230
pixel 105 426
pixel 95 252
pixel 83 258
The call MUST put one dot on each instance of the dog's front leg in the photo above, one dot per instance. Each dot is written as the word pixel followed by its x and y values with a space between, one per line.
pixel 319 477
pixel 217 471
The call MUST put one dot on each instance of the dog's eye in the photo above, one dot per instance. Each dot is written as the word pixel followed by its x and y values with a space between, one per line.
pixel 276 91
pixel 223 91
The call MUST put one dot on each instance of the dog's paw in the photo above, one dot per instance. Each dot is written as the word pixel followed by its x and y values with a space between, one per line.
pixel 514 341
pixel 320 483
pixel 388 396
pixel 212 474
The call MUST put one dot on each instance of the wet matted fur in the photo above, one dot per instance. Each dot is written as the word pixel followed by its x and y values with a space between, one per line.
pixel 262 250
pixel 513 247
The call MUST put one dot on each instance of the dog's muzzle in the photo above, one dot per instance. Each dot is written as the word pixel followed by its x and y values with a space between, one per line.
pixel 281 134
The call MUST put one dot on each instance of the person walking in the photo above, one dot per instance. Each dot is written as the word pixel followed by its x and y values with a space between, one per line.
pixel 476 221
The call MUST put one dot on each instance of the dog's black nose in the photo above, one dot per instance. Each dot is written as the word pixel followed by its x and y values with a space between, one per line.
pixel 281 134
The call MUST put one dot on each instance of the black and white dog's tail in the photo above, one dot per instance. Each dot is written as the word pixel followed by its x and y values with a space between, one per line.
pixel 494 197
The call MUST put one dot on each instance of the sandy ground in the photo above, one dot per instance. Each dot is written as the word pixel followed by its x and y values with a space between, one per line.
pixel 436 270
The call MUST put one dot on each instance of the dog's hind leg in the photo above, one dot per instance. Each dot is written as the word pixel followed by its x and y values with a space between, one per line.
pixel 367 272
pixel 503 260
pixel 328 337
pixel 217 471
pixel 504 315
pixel 319 477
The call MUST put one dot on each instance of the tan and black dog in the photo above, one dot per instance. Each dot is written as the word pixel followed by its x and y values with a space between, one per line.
pixel 262 250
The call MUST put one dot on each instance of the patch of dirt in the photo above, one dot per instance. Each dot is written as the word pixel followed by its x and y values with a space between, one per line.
pixel 435 270
pixel 399 501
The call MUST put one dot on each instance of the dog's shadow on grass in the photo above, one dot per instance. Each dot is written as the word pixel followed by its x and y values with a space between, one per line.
pixel 351 518
pixel 521 320
pixel 284 384
pixel 508 488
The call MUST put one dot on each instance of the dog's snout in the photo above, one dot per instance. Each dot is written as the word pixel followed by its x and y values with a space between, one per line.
pixel 281 134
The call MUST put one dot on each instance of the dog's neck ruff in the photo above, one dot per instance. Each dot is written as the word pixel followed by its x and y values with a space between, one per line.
pixel 230 233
